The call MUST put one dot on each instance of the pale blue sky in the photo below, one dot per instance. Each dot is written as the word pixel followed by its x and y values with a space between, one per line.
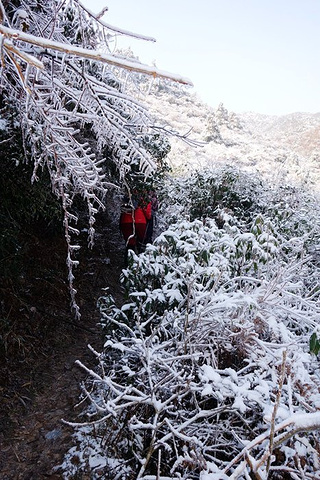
pixel 252 55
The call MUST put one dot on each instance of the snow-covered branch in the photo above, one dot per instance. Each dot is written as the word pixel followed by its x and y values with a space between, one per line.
pixel 74 112
pixel 89 54
pixel 112 28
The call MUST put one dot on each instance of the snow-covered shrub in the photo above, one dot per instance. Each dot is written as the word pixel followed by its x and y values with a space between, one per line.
pixel 213 193
pixel 295 212
pixel 229 192
pixel 194 255
pixel 206 372
pixel 228 188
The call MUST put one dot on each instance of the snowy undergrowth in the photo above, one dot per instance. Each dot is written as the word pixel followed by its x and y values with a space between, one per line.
pixel 206 371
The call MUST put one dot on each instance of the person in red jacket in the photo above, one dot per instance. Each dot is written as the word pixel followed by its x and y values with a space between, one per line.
pixel 127 225
pixel 133 224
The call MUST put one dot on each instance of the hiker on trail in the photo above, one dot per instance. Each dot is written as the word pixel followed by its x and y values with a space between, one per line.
pixel 127 223
pixel 133 223
pixel 142 215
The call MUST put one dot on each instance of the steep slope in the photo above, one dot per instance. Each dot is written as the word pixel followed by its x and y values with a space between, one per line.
pixel 282 148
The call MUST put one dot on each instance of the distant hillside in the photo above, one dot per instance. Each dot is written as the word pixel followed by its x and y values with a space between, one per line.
pixel 283 148
pixel 300 132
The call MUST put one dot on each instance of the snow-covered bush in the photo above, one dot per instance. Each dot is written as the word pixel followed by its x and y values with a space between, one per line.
pixel 205 193
pixel 228 187
pixel 213 193
pixel 206 371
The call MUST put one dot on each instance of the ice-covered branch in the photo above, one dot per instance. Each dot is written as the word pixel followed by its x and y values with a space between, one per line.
pixel 91 54
pixel 118 30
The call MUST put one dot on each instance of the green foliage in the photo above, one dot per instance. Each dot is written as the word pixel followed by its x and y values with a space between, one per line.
pixel 227 188
pixel 25 207
pixel 314 344
pixel 190 257
pixel 215 194
pixel 227 194
pixel 158 146
pixel 28 203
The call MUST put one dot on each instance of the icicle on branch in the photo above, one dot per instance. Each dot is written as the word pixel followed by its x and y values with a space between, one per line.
pixel 92 55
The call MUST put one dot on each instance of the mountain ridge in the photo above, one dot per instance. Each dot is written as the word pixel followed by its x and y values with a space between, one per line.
pixel 279 147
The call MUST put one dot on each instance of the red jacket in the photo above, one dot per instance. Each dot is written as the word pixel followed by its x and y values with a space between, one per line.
pixel 141 215
pixel 126 218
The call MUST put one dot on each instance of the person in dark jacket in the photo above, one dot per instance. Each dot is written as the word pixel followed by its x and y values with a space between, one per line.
pixel 151 222
pixel 142 215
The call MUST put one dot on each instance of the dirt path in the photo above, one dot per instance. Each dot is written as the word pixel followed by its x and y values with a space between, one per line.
pixel 39 440
pixel 43 387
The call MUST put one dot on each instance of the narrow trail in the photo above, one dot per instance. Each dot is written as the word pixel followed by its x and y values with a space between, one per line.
pixel 44 387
